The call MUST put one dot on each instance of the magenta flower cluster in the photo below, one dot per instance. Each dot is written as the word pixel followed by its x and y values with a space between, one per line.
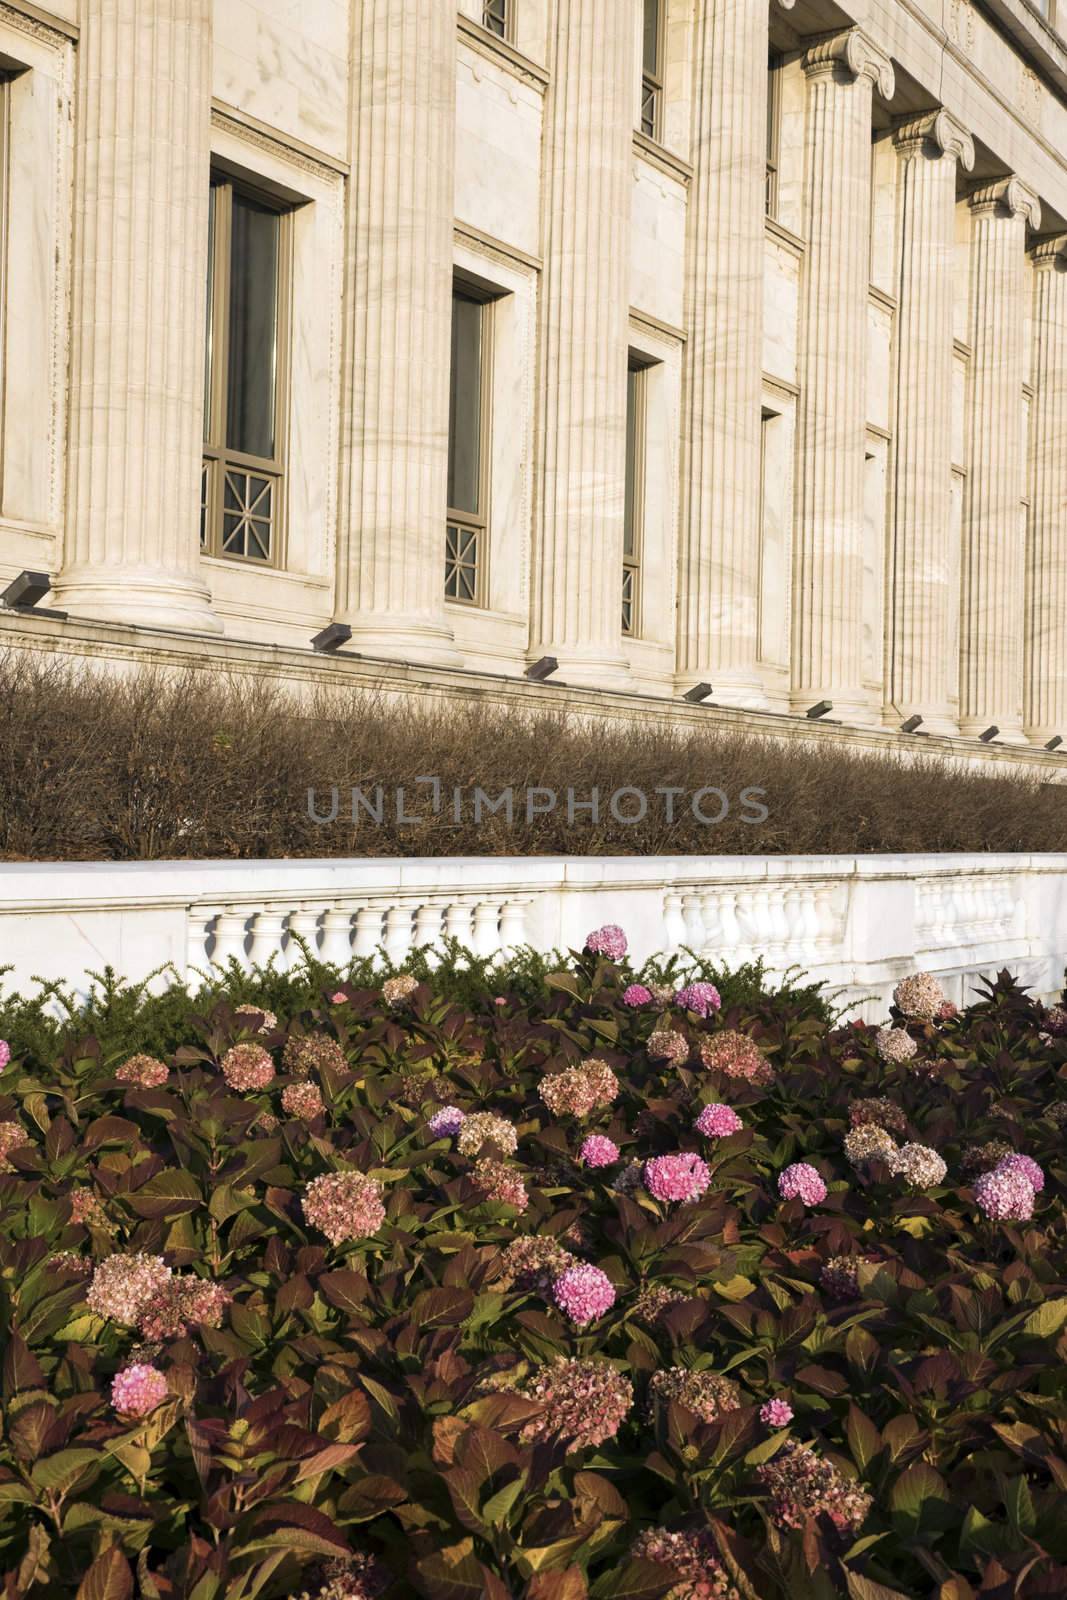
pixel 610 941
pixel 776 1413
pixel 699 997
pixel 583 1293
pixel 718 1121
pixel 676 1178
pixel 1007 1193
pixel 635 994
pixel 137 1390
pixel 5 1054
pixel 802 1182
pixel 598 1151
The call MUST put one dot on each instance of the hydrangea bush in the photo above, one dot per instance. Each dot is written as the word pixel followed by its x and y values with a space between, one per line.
pixel 547 1293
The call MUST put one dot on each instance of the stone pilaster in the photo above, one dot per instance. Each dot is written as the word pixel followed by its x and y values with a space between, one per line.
pixel 132 549
pixel 719 574
pixel 391 554
pixel 993 564
pixel 920 677
pixel 1046 564
pixel 827 634
pixel 576 598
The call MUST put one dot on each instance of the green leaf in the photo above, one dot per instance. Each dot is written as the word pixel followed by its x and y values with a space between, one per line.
pixel 917 1489
pixel 59 1473
pixel 1047 1320
pixel 861 1588
pixel 565 981
pixel 168 1194
pixel 638 1580
pixel 864 1440
pixel 453 1573
pixel 498 1507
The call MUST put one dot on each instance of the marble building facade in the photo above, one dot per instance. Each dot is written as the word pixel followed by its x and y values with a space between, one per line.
pixel 685 341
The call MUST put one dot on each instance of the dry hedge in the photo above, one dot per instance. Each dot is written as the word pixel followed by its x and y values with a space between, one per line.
pixel 155 767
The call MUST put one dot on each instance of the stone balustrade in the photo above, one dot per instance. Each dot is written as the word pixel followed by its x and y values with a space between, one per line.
pixel 859 923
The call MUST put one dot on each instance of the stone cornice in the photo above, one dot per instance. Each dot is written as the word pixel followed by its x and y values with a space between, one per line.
pixel 1050 254
pixel 939 129
pixel 1008 195
pixel 857 54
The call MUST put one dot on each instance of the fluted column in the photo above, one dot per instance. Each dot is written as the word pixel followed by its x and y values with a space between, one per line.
pixel 719 568
pixel 921 678
pixel 132 550
pixel 1046 566
pixel 576 599
pixel 391 551
pixel 827 634
pixel 992 579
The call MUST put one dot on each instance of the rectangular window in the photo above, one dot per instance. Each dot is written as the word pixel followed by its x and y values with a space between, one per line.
pixel 244 374
pixel 652 69
pixel 497 17
pixel 468 487
pixel 634 504
pixel 774 129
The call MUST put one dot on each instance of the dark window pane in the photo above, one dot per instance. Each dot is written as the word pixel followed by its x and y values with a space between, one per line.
pixel 465 407
pixel 250 409
pixel 210 330
pixel 651 43
pixel 628 541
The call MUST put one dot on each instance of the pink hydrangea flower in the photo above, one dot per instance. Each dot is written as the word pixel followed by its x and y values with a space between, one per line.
pixel 339 999
pixel 699 997
pixel 124 1286
pixel 608 941
pixel 344 1205
pixel 500 1000
pixel 802 1182
pixel 598 1151
pixel 1005 1196
pixel 247 1066
pixel 181 1302
pixel 716 1121
pixel 1028 1168
pixel 583 1293
pixel 302 1101
pixel 776 1413
pixel 5 1054
pixel 137 1390
pixel 678 1177
pixel 446 1122
pixel 497 1181
pixel 144 1071
pixel 635 994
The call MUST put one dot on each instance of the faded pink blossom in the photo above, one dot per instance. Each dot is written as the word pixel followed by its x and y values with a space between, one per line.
pixel 181 1303
pixel 801 1182
pixel 708 1395
pixel 802 1485
pixel 483 1128
pixel 919 997
pixel 776 1413
pixel 585 1402
pixel 583 1293
pixel 608 941
pixel 359 1576
pixel 399 990
pixel 679 1177
pixel 598 1151
pixel 124 1286
pixel 137 1390
pixel 497 1181
pixel 344 1206
pixel 735 1055
pixel 144 1071
pixel 718 1121
pixel 252 1013
pixel 667 1044
pixel 85 1207
pixel 303 1101
pixel 247 1066
pixel 692 1557
pixel 12 1136
pixel 895 1044
pixel 1005 1196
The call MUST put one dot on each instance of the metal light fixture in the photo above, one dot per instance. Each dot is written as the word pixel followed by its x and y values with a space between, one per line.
pixel 26 590
pixel 1054 743
pixel 699 692
pixel 542 669
pixel 912 725
pixel 989 735
pixel 331 638
pixel 819 710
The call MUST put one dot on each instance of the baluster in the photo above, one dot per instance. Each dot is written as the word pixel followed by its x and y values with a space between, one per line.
pixel 673 924
pixel 694 923
pixel 267 933
pixel 709 915
pixel 368 932
pixel 428 928
pixel 303 924
pixel 230 936
pixel 779 906
pixel 200 935
pixel 729 927
pixel 512 926
pixel 826 922
pixel 807 926
pixel 458 923
pixel 487 928
pixel 337 936
pixel 398 928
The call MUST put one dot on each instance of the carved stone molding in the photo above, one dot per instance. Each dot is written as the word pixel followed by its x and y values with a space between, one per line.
pixel 939 129
pixel 1048 254
pixel 1008 195
pixel 856 53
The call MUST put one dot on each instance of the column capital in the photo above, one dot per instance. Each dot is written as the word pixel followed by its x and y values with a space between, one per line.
pixel 853 51
pixel 1009 196
pixel 939 129
pixel 1048 254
